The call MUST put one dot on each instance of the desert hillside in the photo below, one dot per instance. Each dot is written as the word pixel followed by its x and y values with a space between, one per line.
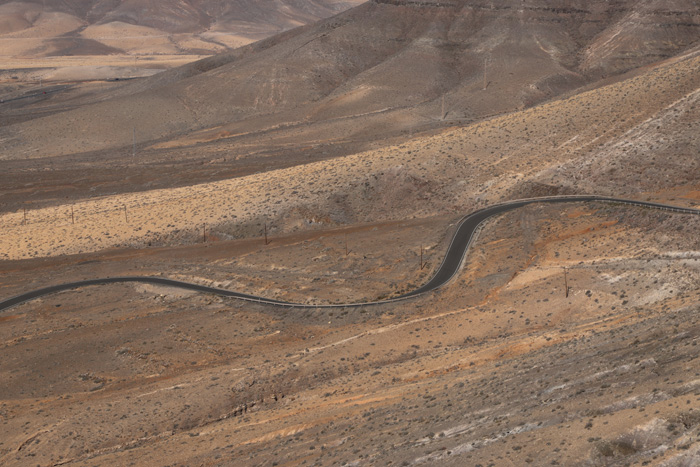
pixel 377 70
pixel 331 164
pixel 85 43
pixel 40 29
pixel 616 140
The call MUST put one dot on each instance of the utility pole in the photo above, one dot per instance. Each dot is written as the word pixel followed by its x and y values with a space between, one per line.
pixel 443 115
pixel 25 216
pixel 126 216
pixel 421 257
pixel 346 245
pixel 266 242
pixel 566 284
pixel 486 62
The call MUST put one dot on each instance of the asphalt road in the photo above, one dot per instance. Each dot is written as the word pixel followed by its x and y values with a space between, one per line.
pixel 450 266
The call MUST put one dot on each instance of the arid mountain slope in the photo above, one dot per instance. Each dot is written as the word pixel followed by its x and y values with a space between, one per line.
pixel 396 66
pixel 619 140
pixel 93 27
pixel 570 337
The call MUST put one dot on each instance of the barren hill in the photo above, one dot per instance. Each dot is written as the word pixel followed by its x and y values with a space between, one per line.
pixel 377 70
pixel 173 26
pixel 319 166
pixel 617 140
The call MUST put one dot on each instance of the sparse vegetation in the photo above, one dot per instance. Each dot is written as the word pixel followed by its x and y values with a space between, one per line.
pixel 355 144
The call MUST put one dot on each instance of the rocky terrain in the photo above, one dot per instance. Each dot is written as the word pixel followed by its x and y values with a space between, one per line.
pixel 570 337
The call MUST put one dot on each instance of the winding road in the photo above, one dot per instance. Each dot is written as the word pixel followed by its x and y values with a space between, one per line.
pixel 450 266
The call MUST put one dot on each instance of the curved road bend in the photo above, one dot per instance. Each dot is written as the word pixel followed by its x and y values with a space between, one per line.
pixel 450 266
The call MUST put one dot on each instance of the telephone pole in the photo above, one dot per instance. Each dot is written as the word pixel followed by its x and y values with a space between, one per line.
pixel 486 64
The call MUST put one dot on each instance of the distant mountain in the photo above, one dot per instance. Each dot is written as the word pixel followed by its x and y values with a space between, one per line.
pixel 75 27
pixel 384 67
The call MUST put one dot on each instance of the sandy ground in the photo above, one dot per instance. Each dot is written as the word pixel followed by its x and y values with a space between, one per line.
pixel 493 369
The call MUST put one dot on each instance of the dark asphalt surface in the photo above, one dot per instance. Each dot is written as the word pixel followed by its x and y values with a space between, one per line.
pixel 451 264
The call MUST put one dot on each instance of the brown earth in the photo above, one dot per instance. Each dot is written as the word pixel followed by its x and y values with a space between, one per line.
pixel 597 141
pixel 498 367
pixel 35 29
pixel 569 338
pixel 374 71
pixel 76 43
